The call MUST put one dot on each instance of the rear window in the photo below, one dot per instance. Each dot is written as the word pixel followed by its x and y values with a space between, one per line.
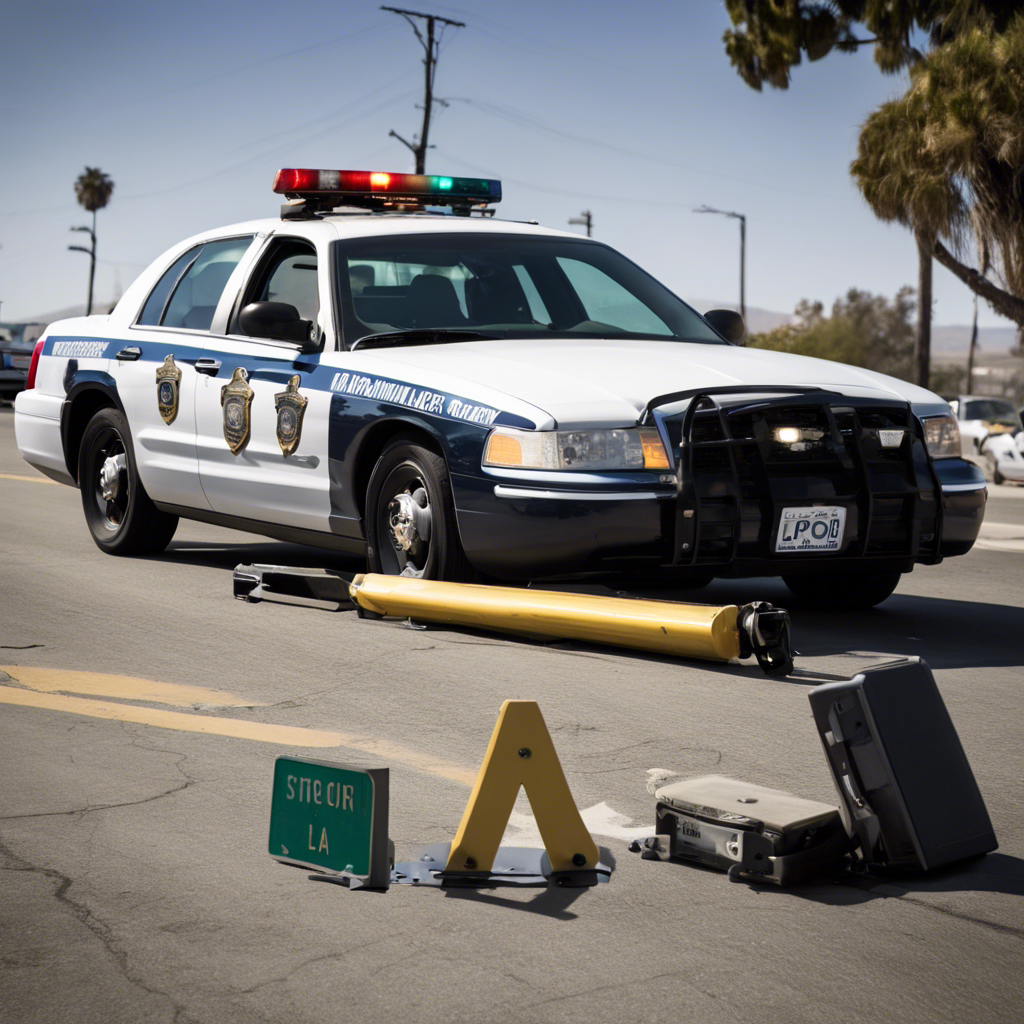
pixel 188 292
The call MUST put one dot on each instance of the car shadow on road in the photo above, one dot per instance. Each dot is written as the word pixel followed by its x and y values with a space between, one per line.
pixel 947 633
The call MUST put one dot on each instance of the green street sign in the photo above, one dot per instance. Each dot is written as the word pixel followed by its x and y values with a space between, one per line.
pixel 331 817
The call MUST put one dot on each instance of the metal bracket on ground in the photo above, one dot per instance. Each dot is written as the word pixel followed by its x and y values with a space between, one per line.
pixel 513 865
pixel 254 583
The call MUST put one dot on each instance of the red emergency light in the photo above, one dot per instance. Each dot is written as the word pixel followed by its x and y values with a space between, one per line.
pixel 384 188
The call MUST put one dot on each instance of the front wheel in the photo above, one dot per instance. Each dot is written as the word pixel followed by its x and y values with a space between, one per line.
pixel 850 590
pixel 121 517
pixel 410 516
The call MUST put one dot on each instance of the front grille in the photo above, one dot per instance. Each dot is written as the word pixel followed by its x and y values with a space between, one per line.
pixel 737 476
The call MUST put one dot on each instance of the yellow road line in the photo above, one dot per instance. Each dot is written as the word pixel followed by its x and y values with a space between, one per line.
pixel 28 479
pixel 261 732
pixel 99 684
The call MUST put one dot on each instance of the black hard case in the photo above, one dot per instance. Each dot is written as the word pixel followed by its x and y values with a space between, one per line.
pixel 908 795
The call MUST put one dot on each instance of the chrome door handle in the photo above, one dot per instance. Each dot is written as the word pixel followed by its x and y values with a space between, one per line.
pixel 130 354
pixel 210 366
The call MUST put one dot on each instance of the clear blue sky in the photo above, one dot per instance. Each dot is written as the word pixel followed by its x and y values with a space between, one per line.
pixel 630 110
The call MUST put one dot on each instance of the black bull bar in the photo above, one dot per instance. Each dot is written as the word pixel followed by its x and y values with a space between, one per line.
pixel 907 479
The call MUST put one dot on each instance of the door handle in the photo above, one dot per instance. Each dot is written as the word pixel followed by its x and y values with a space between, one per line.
pixel 209 366
pixel 130 354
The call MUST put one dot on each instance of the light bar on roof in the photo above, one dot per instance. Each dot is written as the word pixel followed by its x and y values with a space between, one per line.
pixel 384 188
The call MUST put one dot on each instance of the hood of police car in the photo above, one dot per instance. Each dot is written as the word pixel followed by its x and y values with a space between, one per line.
pixel 608 382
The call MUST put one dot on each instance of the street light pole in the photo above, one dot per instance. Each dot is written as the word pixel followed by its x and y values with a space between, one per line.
pixel 743 250
pixel 91 232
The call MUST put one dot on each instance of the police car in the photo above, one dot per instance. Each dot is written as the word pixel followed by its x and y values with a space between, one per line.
pixel 389 371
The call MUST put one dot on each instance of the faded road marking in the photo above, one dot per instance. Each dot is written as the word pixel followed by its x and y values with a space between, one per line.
pixel 100 684
pixel 28 479
pixel 49 680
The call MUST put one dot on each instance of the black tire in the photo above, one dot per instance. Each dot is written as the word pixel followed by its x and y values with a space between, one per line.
pixel 848 590
pixel 128 523
pixel 406 468
pixel 997 477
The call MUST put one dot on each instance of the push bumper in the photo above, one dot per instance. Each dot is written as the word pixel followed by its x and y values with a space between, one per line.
pixel 902 509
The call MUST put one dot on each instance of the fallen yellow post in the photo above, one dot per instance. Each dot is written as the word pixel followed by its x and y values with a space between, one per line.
pixel 665 627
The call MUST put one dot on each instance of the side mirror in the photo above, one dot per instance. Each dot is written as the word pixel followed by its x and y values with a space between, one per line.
pixel 278 321
pixel 728 323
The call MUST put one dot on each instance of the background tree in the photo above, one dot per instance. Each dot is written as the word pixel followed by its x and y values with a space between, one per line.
pixel 772 36
pixel 93 190
pixel 863 330
pixel 947 161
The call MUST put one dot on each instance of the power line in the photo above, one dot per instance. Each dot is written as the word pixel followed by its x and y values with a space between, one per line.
pixel 432 49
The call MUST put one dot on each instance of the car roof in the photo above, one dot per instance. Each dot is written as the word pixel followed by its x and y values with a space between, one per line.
pixel 362 224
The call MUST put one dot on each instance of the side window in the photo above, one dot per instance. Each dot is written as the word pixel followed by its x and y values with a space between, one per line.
pixel 154 307
pixel 195 299
pixel 288 274
pixel 607 302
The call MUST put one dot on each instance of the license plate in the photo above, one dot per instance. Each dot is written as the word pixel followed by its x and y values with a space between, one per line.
pixel 811 529
pixel 21 362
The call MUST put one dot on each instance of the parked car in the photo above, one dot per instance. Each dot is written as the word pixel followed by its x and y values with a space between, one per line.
pixel 991 434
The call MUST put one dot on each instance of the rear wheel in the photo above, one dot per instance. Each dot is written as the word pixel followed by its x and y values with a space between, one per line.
pixel 843 590
pixel 410 516
pixel 121 517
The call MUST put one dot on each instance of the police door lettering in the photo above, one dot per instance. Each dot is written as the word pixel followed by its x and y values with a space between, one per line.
pixel 395 393
pixel 81 349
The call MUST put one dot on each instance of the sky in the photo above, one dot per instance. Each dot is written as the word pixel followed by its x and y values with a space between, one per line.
pixel 631 111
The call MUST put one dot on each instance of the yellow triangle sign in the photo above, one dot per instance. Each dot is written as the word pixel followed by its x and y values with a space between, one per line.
pixel 521 754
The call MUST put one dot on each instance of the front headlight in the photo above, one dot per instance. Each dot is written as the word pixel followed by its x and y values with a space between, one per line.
pixel 632 448
pixel 942 437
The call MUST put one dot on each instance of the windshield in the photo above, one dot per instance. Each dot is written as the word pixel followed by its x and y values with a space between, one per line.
pixel 992 410
pixel 506 286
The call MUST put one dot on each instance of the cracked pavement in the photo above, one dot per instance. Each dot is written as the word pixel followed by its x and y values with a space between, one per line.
pixel 135 883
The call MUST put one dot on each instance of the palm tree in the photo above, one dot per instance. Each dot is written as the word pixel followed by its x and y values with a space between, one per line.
pixel 93 190
pixel 947 161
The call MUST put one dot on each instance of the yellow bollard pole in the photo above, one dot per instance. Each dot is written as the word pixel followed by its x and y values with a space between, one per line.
pixel 665 627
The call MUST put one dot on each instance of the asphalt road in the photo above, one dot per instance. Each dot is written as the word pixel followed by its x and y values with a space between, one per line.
pixel 145 707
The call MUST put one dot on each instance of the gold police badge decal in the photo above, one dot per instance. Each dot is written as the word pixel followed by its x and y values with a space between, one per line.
pixel 168 388
pixel 290 407
pixel 236 399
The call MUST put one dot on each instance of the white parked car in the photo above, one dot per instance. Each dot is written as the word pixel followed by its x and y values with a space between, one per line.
pixel 991 434
pixel 387 370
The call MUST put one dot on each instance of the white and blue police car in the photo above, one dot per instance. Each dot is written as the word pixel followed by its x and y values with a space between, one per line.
pixel 387 370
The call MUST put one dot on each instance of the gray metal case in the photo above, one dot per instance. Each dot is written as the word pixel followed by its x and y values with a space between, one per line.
pixel 909 797
pixel 748 830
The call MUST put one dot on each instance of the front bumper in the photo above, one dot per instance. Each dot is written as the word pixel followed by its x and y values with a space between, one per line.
pixel 721 517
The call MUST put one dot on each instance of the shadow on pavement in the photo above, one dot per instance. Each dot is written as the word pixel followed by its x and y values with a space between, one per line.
pixel 996 872
pixel 947 633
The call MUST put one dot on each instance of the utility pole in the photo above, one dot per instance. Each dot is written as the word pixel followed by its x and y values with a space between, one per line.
pixel 91 232
pixel 586 218
pixel 432 48
pixel 743 250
